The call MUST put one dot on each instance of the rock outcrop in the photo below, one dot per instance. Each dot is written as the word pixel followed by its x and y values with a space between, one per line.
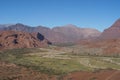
pixel 18 39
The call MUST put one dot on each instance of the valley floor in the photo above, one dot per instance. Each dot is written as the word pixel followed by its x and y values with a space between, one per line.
pixel 55 64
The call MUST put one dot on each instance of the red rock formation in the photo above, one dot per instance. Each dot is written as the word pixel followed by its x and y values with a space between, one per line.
pixel 17 39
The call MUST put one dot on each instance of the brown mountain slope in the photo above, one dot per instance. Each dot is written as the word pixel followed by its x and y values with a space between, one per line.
pixel 108 41
pixel 110 47
pixel 74 33
pixel 112 32
pixel 17 39
pixel 52 36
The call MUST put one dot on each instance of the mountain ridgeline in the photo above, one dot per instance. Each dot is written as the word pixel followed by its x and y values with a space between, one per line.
pixel 112 32
pixel 59 34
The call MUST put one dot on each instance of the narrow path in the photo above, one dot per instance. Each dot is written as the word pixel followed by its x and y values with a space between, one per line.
pixel 86 62
pixel 116 72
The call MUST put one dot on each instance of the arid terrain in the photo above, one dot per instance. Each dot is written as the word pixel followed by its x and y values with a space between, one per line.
pixel 72 53
pixel 53 63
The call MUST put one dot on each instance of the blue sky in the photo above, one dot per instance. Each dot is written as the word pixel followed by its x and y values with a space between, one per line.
pixel 99 14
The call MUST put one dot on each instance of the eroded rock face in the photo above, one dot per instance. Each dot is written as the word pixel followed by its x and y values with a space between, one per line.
pixel 17 39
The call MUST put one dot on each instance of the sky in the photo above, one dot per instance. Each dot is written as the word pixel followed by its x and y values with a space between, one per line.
pixel 98 14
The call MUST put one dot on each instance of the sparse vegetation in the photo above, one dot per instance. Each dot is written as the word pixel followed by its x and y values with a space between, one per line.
pixel 64 44
pixel 45 65
pixel 53 62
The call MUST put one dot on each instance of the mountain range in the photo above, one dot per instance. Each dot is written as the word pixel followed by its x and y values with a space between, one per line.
pixel 108 40
pixel 58 34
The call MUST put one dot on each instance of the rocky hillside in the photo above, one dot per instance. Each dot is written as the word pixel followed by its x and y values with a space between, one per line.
pixel 17 39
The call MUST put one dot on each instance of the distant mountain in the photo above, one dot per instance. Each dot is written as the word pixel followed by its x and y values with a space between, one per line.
pixel 112 32
pixel 18 39
pixel 90 33
pixel 59 34
pixel 19 27
pixel 54 37
pixel 75 33
pixel 4 25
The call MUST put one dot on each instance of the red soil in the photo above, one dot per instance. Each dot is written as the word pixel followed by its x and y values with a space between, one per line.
pixel 101 75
